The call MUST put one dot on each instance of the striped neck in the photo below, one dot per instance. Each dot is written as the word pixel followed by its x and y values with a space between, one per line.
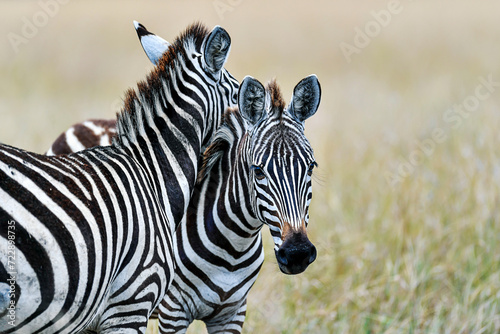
pixel 223 188
pixel 164 122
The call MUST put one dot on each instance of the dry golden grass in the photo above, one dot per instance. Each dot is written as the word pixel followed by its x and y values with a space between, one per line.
pixel 421 256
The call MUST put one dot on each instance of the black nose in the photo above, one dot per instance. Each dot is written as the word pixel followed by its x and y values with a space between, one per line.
pixel 296 254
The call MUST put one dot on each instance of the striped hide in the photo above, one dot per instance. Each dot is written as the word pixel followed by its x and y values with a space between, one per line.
pixel 257 171
pixel 241 187
pixel 93 230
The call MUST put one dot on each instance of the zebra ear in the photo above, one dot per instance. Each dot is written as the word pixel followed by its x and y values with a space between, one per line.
pixel 305 99
pixel 252 99
pixel 153 45
pixel 216 51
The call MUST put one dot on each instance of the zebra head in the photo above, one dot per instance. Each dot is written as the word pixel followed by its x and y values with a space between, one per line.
pixel 281 162
pixel 207 57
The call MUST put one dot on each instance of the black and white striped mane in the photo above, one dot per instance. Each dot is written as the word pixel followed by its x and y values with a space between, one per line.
pixel 131 119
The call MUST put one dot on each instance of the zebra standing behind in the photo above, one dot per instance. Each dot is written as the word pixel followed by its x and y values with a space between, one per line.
pixel 93 230
pixel 257 170
pixel 80 136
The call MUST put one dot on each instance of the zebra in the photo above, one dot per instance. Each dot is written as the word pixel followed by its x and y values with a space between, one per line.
pixel 94 229
pixel 99 132
pixel 257 159
pixel 256 171
pixel 93 132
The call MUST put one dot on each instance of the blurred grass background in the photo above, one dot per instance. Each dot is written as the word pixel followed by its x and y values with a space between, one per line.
pixel 418 256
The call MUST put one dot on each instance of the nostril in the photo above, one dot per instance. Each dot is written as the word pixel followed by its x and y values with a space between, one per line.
pixel 313 254
pixel 281 256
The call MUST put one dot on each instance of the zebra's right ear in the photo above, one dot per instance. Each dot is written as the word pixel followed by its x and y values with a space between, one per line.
pixel 216 50
pixel 153 45
pixel 252 100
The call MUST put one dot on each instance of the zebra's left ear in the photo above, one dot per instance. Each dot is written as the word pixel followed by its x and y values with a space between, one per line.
pixel 216 50
pixel 305 99
pixel 252 100
pixel 153 45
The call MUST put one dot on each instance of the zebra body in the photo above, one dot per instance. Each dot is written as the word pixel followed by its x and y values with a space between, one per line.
pixel 94 229
pixel 218 244
pixel 66 236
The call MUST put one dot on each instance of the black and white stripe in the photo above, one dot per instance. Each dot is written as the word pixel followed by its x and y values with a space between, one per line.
pixel 218 246
pixel 256 171
pixel 93 229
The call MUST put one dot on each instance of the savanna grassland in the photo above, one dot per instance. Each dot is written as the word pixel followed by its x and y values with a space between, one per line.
pixel 405 214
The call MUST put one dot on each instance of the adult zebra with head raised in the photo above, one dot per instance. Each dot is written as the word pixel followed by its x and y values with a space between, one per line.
pixel 93 230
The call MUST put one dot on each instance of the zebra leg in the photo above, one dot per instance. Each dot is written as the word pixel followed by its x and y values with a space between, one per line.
pixel 172 317
pixel 234 325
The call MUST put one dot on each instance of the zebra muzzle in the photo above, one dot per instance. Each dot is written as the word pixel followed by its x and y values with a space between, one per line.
pixel 295 254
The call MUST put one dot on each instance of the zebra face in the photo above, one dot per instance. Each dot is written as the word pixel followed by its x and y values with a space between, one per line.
pixel 281 164
pixel 282 184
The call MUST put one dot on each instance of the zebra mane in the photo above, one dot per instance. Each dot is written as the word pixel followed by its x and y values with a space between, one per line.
pixel 234 127
pixel 131 118
pixel 277 105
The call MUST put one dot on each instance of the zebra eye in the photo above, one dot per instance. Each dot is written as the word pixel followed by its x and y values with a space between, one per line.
pixel 259 173
pixel 311 167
